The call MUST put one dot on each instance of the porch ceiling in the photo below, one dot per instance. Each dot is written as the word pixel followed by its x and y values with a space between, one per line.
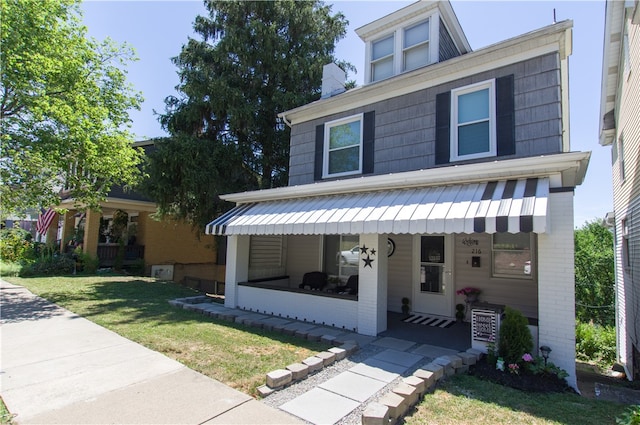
pixel 488 207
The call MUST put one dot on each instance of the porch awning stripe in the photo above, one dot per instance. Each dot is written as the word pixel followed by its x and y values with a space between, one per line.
pixel 498 206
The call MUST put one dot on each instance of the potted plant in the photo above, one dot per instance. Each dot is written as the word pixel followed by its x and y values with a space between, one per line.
pixel 405 306
pixel 460 312
pixel 470 293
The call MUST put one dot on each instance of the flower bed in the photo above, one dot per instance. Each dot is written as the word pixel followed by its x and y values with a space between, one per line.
pixel 523 380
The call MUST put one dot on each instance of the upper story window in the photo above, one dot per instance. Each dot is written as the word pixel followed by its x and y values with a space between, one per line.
pixel 343 146
pixel 473 127
pixel 476 121
pixel 406 48
pixel 416 46
pixel 382 58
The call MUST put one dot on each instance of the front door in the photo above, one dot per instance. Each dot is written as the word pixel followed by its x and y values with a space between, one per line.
pixel 433 279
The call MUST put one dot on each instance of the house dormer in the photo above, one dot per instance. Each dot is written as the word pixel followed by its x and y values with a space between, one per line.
pixel 418 35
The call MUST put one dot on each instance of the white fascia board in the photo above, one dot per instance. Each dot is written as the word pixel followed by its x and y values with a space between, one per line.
pixel 571 167
pixel 611 52
pixel 536 43
pixel 394 19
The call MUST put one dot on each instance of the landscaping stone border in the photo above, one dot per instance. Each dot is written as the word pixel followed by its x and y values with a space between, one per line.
pixel 391 407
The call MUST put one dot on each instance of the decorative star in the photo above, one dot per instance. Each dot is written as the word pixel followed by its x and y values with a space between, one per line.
pixel 368 261
pixel 363 249
pixel 373 251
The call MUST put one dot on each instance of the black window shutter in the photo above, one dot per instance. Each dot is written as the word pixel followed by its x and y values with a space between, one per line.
pixel 317 171
pixel 368 138
pixel 505 116
pixel 443 127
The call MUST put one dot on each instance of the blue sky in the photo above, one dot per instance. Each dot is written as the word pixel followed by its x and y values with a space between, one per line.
pixel 158 29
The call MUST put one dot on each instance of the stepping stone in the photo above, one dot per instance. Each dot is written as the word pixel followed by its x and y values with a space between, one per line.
pixel 353 386
pixel 320 406
pixel 400 358
pixel 393 343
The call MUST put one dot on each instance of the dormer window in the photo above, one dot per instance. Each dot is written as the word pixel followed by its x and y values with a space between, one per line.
pixel 416 46
pixel 407 48
pixel 382 58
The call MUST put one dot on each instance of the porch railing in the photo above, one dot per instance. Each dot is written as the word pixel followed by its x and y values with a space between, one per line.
pixel 107 254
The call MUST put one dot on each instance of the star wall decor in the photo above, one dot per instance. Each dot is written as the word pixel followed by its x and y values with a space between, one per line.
pixel 373 251
pixel 363 249
pixel 368 261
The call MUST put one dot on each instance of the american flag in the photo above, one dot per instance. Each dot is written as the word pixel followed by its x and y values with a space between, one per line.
pixel 44 220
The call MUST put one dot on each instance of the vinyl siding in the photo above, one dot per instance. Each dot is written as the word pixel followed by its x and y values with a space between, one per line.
pixel 447 48
pixel 405 125
pixel 400 272
pixel 626 195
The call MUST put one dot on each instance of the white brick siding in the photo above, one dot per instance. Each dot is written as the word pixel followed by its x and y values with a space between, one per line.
pixel 556 279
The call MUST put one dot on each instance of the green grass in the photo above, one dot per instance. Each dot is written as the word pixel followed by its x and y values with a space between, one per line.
pixel 465 399
pixel 138 309
pixel 9 269
pixel 6 418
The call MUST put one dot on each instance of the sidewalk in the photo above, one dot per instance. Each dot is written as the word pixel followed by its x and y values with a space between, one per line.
pixel 58 368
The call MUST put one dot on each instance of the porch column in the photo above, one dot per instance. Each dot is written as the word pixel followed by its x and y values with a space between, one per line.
pixel 556 279
pixel 372 287
pixel 68 226
pixel 91 231
pixel 52 231
pixel 237 269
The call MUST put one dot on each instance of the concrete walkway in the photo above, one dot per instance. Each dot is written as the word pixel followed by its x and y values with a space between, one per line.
pixel 58 368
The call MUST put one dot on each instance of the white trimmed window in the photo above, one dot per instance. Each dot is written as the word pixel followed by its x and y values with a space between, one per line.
pixel 512 255
pixel 416 46
pixel 407 47
pixel 343 146
pixel 382 58
pixel 473 121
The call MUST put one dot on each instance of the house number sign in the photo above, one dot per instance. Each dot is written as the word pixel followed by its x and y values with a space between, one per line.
pixel 483 325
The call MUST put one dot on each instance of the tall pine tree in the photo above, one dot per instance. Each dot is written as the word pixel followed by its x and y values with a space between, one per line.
pixel 254 60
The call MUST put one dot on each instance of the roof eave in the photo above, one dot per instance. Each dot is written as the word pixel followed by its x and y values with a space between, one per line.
pixel 570 166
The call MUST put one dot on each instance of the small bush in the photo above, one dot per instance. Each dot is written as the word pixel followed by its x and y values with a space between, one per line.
pixel 515 337
pixel 596 344
pixel 630 417
pixel 86 263
pixel 16 245
pixel 49 265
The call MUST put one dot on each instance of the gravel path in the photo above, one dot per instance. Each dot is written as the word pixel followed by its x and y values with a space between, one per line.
pixel 279 398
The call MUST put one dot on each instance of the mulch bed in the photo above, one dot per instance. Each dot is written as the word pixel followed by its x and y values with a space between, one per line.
pixel 524 381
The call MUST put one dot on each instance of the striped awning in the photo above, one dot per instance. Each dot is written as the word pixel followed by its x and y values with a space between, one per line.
pixel 498 206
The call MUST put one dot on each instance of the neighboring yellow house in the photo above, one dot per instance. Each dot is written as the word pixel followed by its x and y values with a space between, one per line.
pixel 169 249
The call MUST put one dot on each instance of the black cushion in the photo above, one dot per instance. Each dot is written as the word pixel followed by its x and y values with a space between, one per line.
pixel 314 280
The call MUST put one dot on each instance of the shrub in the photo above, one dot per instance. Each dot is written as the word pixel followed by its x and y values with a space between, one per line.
pixel 16 245
pixel 631 416
pixel 596 344
pixel 49 265
pixel 87 263
pixel 515 337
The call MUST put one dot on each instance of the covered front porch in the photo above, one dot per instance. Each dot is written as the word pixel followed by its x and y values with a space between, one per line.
pixel 511 239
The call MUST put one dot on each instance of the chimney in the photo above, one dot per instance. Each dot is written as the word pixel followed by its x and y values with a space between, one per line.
pixel 333 80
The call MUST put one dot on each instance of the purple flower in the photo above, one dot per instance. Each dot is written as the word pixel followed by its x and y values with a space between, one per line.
pixel 527 357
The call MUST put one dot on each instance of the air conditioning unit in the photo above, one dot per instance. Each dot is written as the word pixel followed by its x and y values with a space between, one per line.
pixel 162 271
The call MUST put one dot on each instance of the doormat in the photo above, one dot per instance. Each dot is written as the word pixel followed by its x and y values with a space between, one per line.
pixel 421 319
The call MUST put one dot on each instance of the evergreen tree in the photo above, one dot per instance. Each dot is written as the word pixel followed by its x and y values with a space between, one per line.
pixel 254 60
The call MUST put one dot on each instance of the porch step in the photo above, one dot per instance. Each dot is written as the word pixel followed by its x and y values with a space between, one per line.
pixel 422 319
